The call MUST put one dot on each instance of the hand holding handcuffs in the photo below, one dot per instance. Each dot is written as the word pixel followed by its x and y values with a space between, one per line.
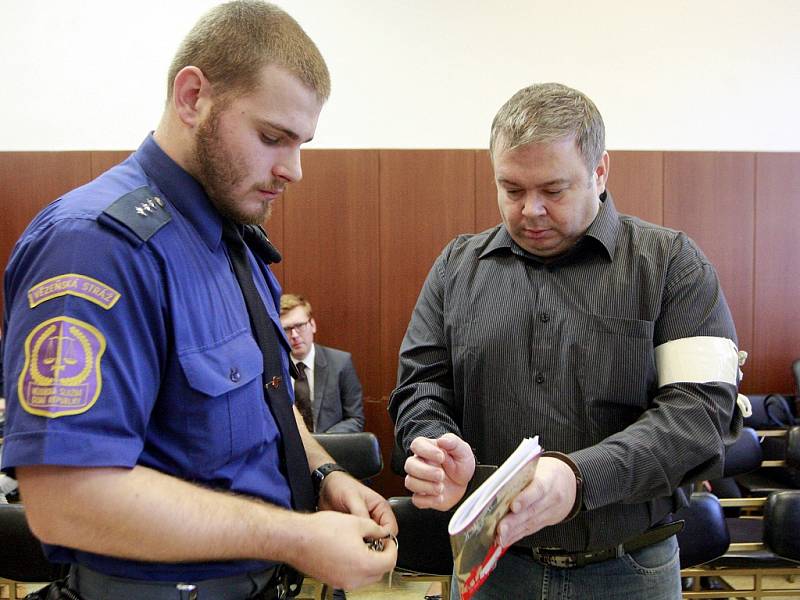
pixel 377 545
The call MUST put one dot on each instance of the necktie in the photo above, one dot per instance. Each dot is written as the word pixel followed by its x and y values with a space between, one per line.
pixel 276 394
pixel 302 396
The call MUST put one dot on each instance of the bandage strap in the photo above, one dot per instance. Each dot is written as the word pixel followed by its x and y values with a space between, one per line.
pixel 700 359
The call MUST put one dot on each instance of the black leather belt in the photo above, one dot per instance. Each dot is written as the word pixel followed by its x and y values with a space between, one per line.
pixel 556 557
pixel 272 584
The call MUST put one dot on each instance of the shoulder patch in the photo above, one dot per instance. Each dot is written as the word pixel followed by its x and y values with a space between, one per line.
pixel 73 284
pixel 62 374
pixel 141 211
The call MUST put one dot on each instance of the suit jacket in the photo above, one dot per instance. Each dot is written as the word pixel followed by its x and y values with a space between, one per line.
pixel 338 404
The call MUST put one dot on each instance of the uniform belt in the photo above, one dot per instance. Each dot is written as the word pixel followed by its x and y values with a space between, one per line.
pixel 269 583
pixel 556 557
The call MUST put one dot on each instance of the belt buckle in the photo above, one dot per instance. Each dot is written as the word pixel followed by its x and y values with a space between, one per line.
pixel 560 561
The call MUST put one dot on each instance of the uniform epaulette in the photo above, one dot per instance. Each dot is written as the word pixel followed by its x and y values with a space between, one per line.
pixel 142 211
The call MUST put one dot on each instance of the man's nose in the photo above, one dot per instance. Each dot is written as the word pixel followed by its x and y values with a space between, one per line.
pixel 288 168
pixel 534 206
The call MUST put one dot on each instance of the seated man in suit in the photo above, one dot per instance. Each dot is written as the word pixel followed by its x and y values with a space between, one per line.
pixel 327 375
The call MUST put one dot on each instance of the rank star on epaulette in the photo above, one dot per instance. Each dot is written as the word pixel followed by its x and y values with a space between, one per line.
pixel 141 211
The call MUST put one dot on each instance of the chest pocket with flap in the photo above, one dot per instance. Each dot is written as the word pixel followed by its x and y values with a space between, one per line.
pixel 226 413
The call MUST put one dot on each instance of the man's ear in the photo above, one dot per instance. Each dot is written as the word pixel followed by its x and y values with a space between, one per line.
pixel 601 173
pixel 313 325
pixel 191 95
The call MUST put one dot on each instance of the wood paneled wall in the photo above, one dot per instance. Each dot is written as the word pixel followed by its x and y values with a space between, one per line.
pixel 361 230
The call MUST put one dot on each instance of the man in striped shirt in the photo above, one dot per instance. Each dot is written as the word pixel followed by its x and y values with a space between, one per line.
pixel 607 336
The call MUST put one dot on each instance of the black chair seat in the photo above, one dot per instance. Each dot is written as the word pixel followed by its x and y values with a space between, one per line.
pixel 744 529
pixel 756 559
pixel 761 483
pixel 424 544
pixel 21 555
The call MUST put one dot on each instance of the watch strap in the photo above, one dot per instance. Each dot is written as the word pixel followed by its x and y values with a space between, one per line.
pixel 319 474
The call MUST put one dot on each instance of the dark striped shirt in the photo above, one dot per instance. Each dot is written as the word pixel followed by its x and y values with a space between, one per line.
pixel 503 345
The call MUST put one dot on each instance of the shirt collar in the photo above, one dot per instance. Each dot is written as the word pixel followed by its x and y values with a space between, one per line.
pixel 308 360
pixel 604 229
pixel 182 190
pixel 605 226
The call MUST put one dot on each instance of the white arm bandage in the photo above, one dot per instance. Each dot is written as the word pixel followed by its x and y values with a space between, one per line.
pixel 701 359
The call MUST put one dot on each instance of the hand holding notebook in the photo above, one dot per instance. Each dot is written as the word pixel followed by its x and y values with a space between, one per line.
pixel 473 527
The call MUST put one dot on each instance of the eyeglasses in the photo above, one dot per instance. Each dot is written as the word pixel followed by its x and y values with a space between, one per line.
pixel 296 328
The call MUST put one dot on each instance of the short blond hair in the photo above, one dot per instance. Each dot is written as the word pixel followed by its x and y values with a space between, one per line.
pixel 234 41
pixel 547 112
pixel 291 301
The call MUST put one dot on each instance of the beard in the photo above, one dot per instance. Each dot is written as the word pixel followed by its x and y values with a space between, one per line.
pixel 220 172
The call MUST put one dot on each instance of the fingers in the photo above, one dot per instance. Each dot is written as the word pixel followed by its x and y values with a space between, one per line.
pixel 384 560
pixel 382 514
pixel 439 470
pixel 547 500
pixel 429 501
pixel 355 505
pixel 428 449
pixel 340 553
pixel 424 472
pixel 425 482
pixel 372 530
pixel 455 446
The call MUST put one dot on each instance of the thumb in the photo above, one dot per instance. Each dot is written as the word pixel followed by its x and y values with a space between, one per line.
pixel 455 447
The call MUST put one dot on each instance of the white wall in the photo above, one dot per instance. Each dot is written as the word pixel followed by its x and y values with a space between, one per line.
pixel 666 74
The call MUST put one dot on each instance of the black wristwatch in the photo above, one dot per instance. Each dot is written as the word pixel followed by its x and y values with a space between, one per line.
pixel 319 474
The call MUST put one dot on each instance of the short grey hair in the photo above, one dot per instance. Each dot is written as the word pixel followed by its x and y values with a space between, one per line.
pixel 547 112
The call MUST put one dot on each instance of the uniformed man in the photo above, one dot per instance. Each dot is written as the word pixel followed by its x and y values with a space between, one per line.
pixel 149 419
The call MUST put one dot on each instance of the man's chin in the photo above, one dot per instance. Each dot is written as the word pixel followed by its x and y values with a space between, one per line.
pixel 257 217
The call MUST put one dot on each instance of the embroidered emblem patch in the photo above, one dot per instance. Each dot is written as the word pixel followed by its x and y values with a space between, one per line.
pixel 61 375
pixel 73 284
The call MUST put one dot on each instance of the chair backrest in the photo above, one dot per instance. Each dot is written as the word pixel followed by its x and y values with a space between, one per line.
pixel 769 411
pixel 705 534
pixel 21 555
pixel 359 453
pixel 778 410
pixel 793 447
pixel 782 524
pixel 424 544
pixel 796 373
pixel 744 455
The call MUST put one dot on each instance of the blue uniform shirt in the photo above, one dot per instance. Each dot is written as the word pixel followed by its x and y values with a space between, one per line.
pixel 128 343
